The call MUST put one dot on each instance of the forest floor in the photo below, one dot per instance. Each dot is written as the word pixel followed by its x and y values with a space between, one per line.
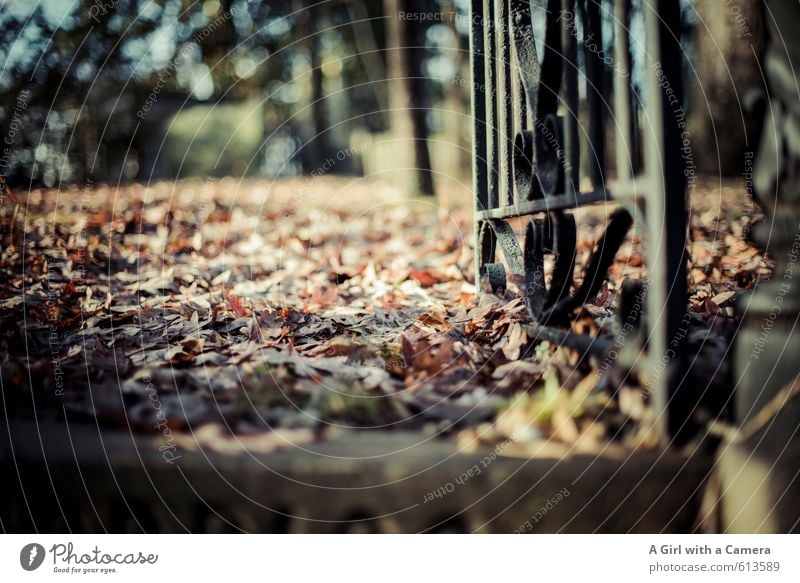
pixel 277 312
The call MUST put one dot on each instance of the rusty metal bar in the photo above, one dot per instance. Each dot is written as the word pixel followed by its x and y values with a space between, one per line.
pixel 623 136
pixel 520 65
pixel 505 103
pixel 490 92
pixel 595 92
pixel 546 204
pixel 569 47
pixel 478 100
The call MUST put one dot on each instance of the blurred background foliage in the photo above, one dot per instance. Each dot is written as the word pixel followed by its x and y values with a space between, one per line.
pixel 121 90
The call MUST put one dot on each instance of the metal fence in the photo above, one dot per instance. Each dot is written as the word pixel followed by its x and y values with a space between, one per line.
pixel 539 74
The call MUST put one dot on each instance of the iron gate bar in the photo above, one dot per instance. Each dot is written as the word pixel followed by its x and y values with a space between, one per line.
pixel 569 67
pixel 486 20
pixel 550 203
pixel 504 103
pixel 624 135
pixel 524 52
pixel 480 179
pixel 596 95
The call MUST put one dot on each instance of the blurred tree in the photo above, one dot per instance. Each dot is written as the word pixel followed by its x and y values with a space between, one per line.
pixel 101 79
pixel 369 41
pixel 407 104
pixel 59 59
pixel 94 90
pixel 728 38
pixel 310 26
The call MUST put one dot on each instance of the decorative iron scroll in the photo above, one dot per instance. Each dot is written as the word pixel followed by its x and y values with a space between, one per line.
pixel 539 168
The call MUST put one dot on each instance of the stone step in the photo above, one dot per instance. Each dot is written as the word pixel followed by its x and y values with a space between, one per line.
pixel 61 478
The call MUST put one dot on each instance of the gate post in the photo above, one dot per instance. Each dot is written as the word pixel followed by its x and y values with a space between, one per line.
pixel 768 345
pixel 666 218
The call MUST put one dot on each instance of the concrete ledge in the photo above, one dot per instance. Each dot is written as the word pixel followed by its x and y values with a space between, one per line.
pixel 86 480
pixel 756 487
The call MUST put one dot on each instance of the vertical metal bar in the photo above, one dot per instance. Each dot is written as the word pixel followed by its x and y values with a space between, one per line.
pixel 595 92
pixel 504 101
pixel 569 47
pixel 490 91
pixel 666 220
pixel 623 137
pixel 520 113
pixel 480 183
pixel 478 95
pixel 520 99
pixel 655 233
pixel 681 423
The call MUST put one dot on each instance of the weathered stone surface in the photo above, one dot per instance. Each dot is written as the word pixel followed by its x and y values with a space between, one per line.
pixel 756 484
pixel 369 482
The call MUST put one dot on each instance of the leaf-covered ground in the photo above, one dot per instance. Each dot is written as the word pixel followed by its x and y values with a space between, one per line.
pixel 307 307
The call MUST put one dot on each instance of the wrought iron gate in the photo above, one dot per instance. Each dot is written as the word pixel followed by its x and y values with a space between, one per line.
pixel 531 63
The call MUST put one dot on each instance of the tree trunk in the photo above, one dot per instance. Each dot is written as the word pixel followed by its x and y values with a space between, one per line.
pixel 309 26
pixel 728 38
pixel 407 88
